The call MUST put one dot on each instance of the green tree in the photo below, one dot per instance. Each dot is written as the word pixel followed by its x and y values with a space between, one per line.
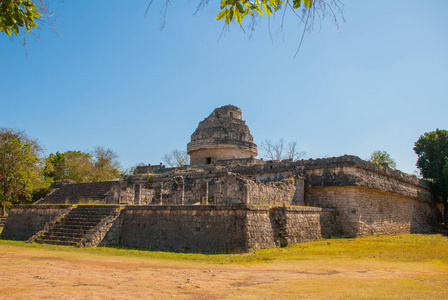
pixel 432 151
pixel 105 164
pixel 20 169
pixel 382 157
pixel 17 16
pixel 99 165
pixel 74 165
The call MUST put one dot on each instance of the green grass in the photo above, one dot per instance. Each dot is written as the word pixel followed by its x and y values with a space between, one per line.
pixel 399 248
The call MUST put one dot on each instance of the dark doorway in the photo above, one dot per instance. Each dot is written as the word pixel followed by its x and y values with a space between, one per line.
pixel 208 160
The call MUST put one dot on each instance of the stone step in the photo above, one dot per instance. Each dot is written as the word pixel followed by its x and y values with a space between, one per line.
pixel 94 211
pixel 71 229
pixel 78 223
pixel 84 219
pixel 73 193
pixel 62 243
pixel 90 210
pixel 66 234
pixel 96 207
pixel 75 225
pixel 90 214
pixel 55 239
pixel 60 238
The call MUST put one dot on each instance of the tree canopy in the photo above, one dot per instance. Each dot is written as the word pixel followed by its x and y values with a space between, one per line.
pixel 19 167
pixel 382 157
pixel 432 151
pixel 17 16
pixel 99 165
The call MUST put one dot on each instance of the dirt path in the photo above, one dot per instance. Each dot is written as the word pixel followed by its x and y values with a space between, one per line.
pixel 38 274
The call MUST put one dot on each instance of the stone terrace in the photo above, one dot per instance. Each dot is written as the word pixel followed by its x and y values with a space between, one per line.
pixel 95 192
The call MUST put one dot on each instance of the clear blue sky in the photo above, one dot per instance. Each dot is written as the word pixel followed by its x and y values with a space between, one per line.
pixel 116 80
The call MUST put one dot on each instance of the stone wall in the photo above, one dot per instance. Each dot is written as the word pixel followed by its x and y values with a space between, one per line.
pixel 113 233
pixel 260 233
pixel 226 228
pixel 306 224
pixel 363 211
pixel 199 157
pixel 279 226
pixel 229 188
pixel 149 169
pixel 185 228
pixel 288 191
pixel 24 221
pixel 368 178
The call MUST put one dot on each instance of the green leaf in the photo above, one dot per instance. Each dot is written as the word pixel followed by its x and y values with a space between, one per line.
pixel 268 9
pixel 223 4
pixel 16 29
pixel 238 17
pixel 308 3
pixel 297 3
pixel 274 4
pixel 36 14
pixel 229 16
pixel 221 14
pixel 240 7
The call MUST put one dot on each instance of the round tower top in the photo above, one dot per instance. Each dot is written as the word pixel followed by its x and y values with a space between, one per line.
pixel 228 111
pixel 225 131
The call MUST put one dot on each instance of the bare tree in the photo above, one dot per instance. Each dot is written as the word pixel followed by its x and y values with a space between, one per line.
pixel 176 158
pixel 293 153
pixel 281 150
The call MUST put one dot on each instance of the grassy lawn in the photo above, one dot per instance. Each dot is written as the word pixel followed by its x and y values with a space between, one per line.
pixel 378 267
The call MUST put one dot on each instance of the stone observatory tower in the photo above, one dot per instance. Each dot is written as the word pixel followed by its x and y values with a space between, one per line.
pixel 222 135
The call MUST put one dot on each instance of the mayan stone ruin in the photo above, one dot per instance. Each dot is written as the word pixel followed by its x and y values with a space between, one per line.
pixel 227 200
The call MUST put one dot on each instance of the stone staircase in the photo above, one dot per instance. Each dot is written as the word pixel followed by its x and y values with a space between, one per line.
pixel 77 224
pixel 3 221
pixel 95 192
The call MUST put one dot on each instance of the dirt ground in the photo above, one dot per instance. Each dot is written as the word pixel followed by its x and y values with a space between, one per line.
pixel 37 274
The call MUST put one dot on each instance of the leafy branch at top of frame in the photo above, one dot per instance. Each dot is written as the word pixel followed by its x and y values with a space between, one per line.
pixel 15 14
pixel 238 9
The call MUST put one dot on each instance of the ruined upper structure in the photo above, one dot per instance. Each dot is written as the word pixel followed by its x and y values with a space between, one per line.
pixel 221 136
pixel 234 203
